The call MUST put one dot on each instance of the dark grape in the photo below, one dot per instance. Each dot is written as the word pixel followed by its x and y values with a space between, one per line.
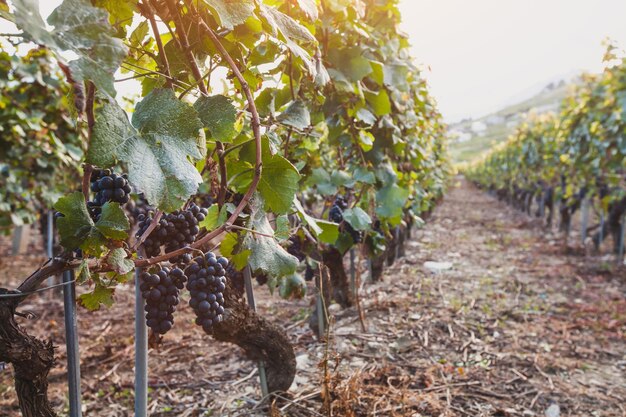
pixel 174 231
pixel 110 187
pixel 206 285
pixel 335 215
pixel 160 291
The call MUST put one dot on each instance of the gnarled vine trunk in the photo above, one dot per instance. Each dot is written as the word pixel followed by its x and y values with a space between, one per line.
pixel 32 360
pixel 333 260
pixel 260 340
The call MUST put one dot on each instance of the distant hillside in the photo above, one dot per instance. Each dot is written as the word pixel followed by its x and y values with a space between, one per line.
pixel 470 138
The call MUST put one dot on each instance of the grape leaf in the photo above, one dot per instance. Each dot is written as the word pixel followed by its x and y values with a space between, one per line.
pixel 157 150
pixel 100 295
pixel 292 287
pixel 330 231
pixel 350 62
pixel 282 227
pixel 81 28
pixel 390 201
pixel 357 218
pixel 278 184
pixel 231 12
pixel 266 254
pixel 75 225
pixel 218 115
pixel 379 101
pixel 310 221
pixel 296 115
pixel 285 25
pixel 215 217
pixel 309 8
pixel 231 248
pixel 113 223
pixel 119 262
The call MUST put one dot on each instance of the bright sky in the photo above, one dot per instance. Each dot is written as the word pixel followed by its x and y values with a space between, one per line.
pixel 485 54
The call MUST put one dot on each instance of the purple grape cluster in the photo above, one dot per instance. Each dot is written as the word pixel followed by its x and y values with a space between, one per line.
pixel 174 231
pixel 109 186
pixel 335 215
pixel 207 282
pixel 160 291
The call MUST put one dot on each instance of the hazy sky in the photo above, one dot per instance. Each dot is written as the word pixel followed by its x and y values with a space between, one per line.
pixel 484 54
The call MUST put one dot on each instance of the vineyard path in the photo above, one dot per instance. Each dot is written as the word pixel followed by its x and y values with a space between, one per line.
pixel 519 325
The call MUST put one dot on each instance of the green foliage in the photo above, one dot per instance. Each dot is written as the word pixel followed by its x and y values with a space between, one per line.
pixel 40 144
pixel 343 110
pixel 582 147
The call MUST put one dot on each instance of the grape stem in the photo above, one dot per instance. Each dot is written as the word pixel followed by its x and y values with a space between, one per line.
pixel 87 170
pixel 146 233
pixel 157 36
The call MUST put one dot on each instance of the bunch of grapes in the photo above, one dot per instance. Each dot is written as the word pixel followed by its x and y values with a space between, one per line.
pixel 174 231
pixel 295 247
pixel 160 291
pixel 335 215
pixel 207 282
pixel 109 186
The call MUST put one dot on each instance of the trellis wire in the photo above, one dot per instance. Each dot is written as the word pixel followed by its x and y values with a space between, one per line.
pixel 141 352
pixel 71 342
pixel 247 277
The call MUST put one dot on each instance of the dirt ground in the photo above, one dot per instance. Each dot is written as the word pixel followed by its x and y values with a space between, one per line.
pixel 520 325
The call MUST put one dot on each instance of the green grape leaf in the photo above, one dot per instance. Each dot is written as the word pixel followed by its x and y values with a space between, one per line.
pixel 379 101
pixel 214 218
pixel 285 25
pixel 101 295
pixel 158 147
pixel 81 28
pixel 231 13
pixel 292 287
pixel 278 184
pixel 231 248
pixel 266 254
pixel 357 218
pixel 113 223
pixel 119 262
pixel 310 221
pixel 361 174
pixel 82 272
pixel 350 62
pixel 121 12
pixel 365 116
pixel 390 201
pixel 396 75
pixel 366 140
pixel 320 178
pixel 75 225
pixel 282 227
pixel 218 115
pixel 296 115
pixel 330 232
pixel 309 8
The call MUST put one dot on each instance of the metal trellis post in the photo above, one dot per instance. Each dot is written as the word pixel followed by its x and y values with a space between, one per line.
pixel 71 341
pixel 622 243
pixel 141 352
pixel 585 220
pixel 50 242
pixel 247 277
